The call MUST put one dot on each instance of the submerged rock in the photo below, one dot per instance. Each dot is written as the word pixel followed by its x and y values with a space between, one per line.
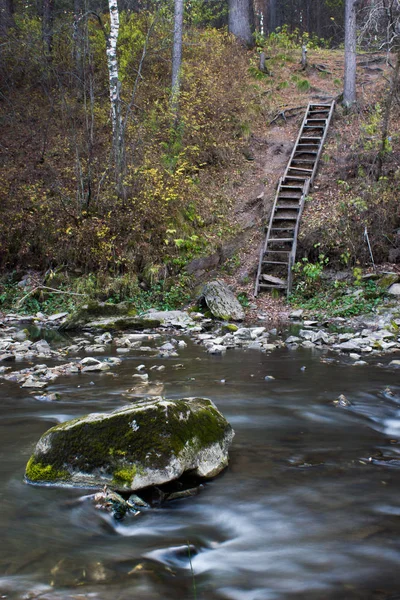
pixel 222 302
pixel 150 443
pixel 104 315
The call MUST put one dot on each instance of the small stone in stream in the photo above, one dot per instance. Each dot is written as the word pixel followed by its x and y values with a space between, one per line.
pixel 111 502
pixel 255 332
pixel 394 363
pixel 216 350
pixel 182 344
pixel 113 360
pixel 89 360
pixel 20 336
pixel 98 367
pixel 269 377
pixel 167 346
pixel 388 391
pixel 143 377
pixel 136 502
pixel 6 357
pixel 293 339
pixel 310 323
pixel 359 363
pixel 140 367
pixel 157 368
pixel 178 366
pixel 34 384
pixel 303 368
pixel 184 493
pixel 122 350
pixel 57 316
pixel 223 381
pixel 342 401
pixel 48 397
pixel 354 356
pixel 296 314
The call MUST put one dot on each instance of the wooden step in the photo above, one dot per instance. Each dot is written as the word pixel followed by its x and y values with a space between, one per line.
pixel 307 161
pixel 281 240
pixel 311 138
pixel 265 286
pixel 274 262
pixel 288 206
pixel 299 169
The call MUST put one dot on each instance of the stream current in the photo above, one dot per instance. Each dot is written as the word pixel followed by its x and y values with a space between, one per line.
pixel 309 507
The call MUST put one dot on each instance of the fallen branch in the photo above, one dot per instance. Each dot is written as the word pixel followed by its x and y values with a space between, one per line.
pixel 284 113
pixel 45 287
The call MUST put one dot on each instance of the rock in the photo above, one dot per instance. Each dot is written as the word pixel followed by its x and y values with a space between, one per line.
pixel 20 336
pixel 107 316
pixel 171 318
pixel 255 332
pixel 394 363
pixel 359 363
pixel 292 339
pixel 101 366
pixel 182 344
pixel 42 347
pixel 149 443
pixel 57 316
pixel 342 401
pixel 143 377
pixel 111 502
pixel 354 356
pixel 34 384
pixel 48 397
pixel 387 280
pixel 296 314
pixel 89 360
pixel 243 334
pixel 7 357
pixel 136 502
pixel 222 302
pixel 394 289
pixel 216 349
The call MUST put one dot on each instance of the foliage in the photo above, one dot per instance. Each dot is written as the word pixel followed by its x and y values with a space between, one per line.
pixel 340 299
pixel 310 274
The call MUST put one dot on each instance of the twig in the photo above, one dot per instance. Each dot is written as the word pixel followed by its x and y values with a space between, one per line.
pixel 45 287
pixel 283 113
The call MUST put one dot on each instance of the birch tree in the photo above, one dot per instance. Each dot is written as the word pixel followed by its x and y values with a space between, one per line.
pixel 241 21
pixel 115 94
pixel 177 56
pixel 350 43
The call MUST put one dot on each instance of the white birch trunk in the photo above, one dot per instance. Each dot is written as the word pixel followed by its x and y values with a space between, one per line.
pixel 115 87
pixel 177 55
pixel 350 66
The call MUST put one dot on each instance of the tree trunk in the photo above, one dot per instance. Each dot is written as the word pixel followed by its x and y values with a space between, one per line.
pixel 177 55
pixel 47 25
pixel 241 21
pixel 273 17
pixel 115 99
pixel 6 16
pixel 350 66
pixel 386 116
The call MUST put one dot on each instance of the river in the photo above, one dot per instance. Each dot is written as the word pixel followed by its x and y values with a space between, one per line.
pixel 308 508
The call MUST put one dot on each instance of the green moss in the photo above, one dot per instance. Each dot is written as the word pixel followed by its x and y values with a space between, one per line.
pixel 125 443
pixel 124 477
pixel 387 280
pixel 38 471
pixel 229 328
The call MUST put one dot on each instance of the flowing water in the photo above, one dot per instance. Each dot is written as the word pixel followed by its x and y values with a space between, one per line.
pixel 309 507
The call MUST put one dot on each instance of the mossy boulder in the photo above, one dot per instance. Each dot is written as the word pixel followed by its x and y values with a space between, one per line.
pixel 148 443
pixel 222 302
pixel 102 315
pixel 388 279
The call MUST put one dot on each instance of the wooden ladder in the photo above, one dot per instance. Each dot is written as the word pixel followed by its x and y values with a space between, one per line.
pixel 278 253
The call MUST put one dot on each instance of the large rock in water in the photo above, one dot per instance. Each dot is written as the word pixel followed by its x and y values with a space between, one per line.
pixel 222 302
pixel 104 315
pixel 148 443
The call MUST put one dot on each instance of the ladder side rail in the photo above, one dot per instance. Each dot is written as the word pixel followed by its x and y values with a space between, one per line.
pixel 264 247
pixel 298 139
pixel 292 257
pixel 321 146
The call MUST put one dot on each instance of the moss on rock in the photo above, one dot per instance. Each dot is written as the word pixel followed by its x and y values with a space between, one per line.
pixel 150 442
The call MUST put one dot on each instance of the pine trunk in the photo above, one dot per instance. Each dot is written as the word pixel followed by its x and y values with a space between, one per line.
pixel 241 20
pixel 350 42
